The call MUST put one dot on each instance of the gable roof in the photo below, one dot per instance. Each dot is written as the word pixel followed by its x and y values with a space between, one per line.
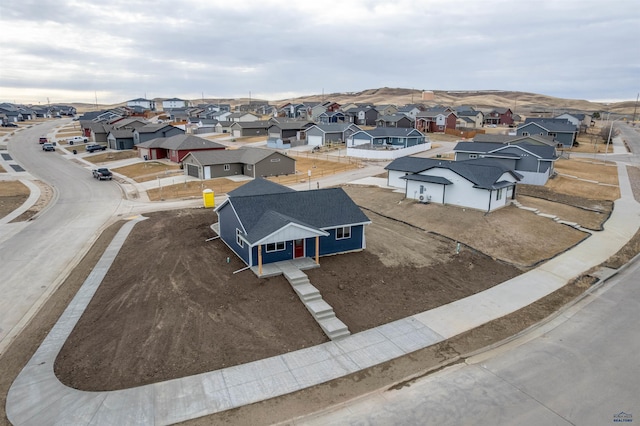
pixel 394 118
pixel 181 142
pixel 259 186
pixel 154 127
pixel 541 151
pixel 551 126
pixel 334 127
pixel 246 155
pixel 317 210
pixel 483 173
pixel 512 139
pixel 391 132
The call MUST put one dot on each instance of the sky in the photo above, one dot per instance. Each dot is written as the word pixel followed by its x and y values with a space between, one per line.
pixel 82 51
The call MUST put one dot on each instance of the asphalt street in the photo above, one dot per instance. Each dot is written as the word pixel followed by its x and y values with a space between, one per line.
pixel 36 259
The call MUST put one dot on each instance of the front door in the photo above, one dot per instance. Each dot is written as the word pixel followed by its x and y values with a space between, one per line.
pixel 298 248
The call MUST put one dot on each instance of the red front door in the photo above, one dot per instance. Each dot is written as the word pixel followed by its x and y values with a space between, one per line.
pixel 298 248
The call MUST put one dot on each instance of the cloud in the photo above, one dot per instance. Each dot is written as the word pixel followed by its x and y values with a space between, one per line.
pixel 124 49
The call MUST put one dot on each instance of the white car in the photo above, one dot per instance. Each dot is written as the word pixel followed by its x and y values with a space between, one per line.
pixel 77 139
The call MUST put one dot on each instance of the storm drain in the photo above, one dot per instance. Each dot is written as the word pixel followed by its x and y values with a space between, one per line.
pixel 17 168
pixel 6 157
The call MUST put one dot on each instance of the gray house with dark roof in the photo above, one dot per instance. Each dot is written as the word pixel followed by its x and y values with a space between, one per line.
pixel 153 131
pixel 562 131
pixel 252 162
pixel 176 147
pixel 263 222
pixel 322 134
pixel 482 184
pixel 533 162
pixel 394 137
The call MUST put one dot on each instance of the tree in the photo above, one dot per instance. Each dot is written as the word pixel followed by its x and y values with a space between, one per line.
pixel 596 115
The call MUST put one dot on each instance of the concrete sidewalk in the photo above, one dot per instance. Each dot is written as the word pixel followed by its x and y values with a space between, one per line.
pixel 37 397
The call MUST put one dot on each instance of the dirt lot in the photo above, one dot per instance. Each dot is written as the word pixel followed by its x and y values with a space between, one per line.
pixel 587 218
pixel 148 170
pixel 106 157
pixel 587 169
pixel 13 194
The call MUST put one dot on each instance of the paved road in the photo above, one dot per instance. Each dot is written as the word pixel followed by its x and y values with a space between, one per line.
pixel 36 259
pixel 583 370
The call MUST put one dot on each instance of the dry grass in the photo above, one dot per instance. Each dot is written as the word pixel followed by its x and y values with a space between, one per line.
pixel 193 189
pixel 583 189
pixel 69 133
pixel 147 170
pixel 218 136
pixel 586 169
pixel 107 157
pixel 443 137
pixel 79 147
pixel 251 138
pixel 12 188
pixel 2 170
pixel 586 218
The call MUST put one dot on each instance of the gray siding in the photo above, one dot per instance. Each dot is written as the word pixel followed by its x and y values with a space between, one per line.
pixel 283 166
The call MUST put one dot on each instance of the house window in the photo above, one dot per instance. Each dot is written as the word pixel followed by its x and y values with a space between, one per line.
pixel 499 194
pixel 227 167
pixel 275 160
pixel 473 156
pixel 275 247
pixel 553 135
pixel 525 133
pixel 343 233
pixel 248 166
pixel 238 239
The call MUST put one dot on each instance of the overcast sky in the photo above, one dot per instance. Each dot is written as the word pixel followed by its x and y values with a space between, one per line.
pixel 117 50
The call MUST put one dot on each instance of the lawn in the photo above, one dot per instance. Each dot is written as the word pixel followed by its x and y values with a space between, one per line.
pixel 586 169
pixel 148 170
pixel 106 157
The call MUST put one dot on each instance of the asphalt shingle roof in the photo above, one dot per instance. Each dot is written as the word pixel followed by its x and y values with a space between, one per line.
pixel 181 142
pixel 246 155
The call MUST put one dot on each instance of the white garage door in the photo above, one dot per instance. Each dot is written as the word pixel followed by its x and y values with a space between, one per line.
pixel 207 172
pixel 237 133
pixel 315 140
pixel 192 170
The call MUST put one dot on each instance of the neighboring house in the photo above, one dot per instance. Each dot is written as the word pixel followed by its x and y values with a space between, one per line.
pixel 153 131
pixel 562 132
pixel 435 120
pixel 499 116
pixel 120 139
pixel 533 162
pixel 322 134
pixel 175 148
pixel 471 118
pixel 331 117
pixel 147 104
pixel 242 117
pixel 129 123
pixel 252 162
pixel 224 126
pixel 290 110
pixel 174 103
pixel 263 222
pixel 294 129
pixel 220 115
pixel 410 110
pixel 316 110
pixel 577 120
pixel 250 128
pixel 396 120
pixel 97 132
pixel 386 109
pixel 392 137
pixel 362 116
pixel 481 184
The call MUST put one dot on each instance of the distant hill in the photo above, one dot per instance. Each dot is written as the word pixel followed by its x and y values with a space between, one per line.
pixel 520 102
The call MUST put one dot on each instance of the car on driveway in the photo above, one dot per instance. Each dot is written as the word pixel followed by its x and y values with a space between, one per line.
pixel 43 140
pixel 9 124
pixel 77 139
pixel 95 147
pixel 48 147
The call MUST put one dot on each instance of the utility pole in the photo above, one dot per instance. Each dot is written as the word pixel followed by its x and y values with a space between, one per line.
pixel 635 108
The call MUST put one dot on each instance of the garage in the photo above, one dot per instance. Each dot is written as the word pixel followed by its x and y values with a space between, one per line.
pixel 193 170
pixel 207 172
pixel 315 140
pixel 237 133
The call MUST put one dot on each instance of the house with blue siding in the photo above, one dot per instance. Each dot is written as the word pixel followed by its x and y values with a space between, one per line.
pixel 264 222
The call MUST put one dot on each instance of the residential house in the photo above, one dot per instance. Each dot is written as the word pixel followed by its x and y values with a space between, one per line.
pixel 250 128
pixel 175 148
pixel 470 118
pixel 533 162
pixel 224 126
pixel 220 115
pixel 247 161
pixel 263 222
pixel 410 110
pixel 290 129
pixel 97 132
pixel 514 139
pixel 175 103
pixel 316 110
pixel 390 137
pixel 436 119
pixel 323 134
pixel 331 117
pixel 396 120
pixel 386 109
pixel 147 104
pixel 562 131
pixel 581 121
pixel 242 117
pixel 120 139
pixel 482 184
pixel 153 131
pixel 499 116
pixel 362 116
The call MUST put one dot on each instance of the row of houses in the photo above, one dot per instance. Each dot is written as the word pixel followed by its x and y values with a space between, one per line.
pixel 15 113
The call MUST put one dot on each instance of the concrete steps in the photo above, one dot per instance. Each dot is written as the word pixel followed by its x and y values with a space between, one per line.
pixel 321 311
pixel 547 215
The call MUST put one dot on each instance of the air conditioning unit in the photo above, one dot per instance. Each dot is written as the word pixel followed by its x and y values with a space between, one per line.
pixel 422 198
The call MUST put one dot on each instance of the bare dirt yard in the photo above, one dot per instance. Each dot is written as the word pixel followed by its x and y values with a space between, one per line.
pixel 13 194
pixel 106 157
pixel 148 170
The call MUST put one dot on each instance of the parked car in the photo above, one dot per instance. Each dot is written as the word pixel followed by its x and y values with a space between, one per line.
pixel 48 147
pixel 9 124
pixel 95 147
pixel 102 174
pixel 77 139
pixel 43 140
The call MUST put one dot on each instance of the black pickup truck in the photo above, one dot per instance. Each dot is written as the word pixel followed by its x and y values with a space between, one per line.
pixel 95 147
pixel 102 174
